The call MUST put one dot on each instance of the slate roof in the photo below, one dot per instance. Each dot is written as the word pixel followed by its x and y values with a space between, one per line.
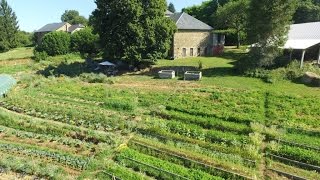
pixel 74 27
pixel 303 36
pixel 51 27
pixel 186 22
pixel 168 13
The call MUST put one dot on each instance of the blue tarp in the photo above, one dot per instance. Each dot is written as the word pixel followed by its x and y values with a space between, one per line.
pixel 6 83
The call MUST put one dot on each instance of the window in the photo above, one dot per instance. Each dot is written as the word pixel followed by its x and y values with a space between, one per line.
pixel 199 51
pixel 184 52
pixel 191 51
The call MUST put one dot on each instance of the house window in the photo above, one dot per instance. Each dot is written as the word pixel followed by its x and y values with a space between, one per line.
pixel 191 51
pixel 199 51
pixel 184 52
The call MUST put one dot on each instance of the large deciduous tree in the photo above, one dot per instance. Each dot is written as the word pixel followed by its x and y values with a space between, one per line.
pixel 73 17
pixel 233 16
pixel 133 30
pixel 307 11
pixel 8 27
pixel 269 22
pixel 205 10
pixel 171 8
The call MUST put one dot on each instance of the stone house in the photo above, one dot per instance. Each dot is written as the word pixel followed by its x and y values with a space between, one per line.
pixel 194 37
pixel 63 26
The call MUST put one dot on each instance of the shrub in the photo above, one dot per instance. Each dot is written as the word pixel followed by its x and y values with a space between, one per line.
pixel 39 56
pixel 55 43
pixel 95 78
pixel 84 41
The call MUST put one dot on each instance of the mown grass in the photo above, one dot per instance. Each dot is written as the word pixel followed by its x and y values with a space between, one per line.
pixel 18 53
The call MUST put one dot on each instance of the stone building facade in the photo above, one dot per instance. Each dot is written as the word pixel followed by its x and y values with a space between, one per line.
pixel 193 38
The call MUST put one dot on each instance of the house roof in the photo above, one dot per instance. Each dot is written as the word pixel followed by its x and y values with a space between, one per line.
pixel 168 13
pixel 186 22
pixel 303 36
pixel 74 27
pixel 51 27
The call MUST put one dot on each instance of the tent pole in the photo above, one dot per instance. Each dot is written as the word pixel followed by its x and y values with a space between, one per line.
pixel 302 58
pixel 319 56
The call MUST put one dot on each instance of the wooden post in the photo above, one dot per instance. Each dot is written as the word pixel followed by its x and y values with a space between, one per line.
pixel 319 57
pixel 302 58
pixel 291 51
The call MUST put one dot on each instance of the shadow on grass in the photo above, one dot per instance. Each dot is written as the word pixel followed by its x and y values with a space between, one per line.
pixel 72 70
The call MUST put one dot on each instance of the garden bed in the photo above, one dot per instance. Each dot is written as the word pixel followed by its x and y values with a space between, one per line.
pixel 193 75
pixel 167 74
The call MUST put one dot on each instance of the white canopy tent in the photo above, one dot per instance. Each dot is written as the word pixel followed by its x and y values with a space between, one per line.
pixel 302 37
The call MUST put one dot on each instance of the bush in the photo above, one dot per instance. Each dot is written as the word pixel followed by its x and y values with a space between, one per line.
pixel 55 43
pixel 95 78
pixel 39 56
pixel 84 41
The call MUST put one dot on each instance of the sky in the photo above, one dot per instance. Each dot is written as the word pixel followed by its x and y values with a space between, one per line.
pixel 33 14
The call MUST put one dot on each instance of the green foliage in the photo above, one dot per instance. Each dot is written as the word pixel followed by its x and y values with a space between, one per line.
pixel 24 39
pixel 84 41
pixel 165 165
pixel 233 16
pixel 40 56
pixel 307 11
pixel 95 78
pixel 55 43
pixel 138 32
pixel 73 17
pixel 206 10
pixel 171 7
pixel 9 27
pixel 268 26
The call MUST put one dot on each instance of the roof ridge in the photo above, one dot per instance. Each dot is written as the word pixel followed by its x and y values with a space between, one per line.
pixel 181 13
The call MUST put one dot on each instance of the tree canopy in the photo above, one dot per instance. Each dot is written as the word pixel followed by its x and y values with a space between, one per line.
pixel 171 7
pixel 234 17
pixel 133 30
pixel 73 17
pixel 307 11
pixel 269 22
pixel 9 27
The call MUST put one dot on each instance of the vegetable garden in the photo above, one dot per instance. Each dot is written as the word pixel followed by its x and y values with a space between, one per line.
pixel 60 127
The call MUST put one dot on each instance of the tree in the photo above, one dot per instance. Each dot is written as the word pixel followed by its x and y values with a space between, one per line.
pixel 9 27
pixel 73 17
pixel 55 43
pixel 24 39
pixel 233 16
pixel 171 7
pixel 84 41
pixel 307 11
pixel 133 30
pixel 269 22
pixel 206 10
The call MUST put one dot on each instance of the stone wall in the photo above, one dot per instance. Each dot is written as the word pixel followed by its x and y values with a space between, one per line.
pixel 192 43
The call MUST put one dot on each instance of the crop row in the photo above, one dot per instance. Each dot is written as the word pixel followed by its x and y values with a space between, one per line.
pixel 292 170
pixel 46 127
pixel 72 144
pixel 195 151
pixel 70 160
pixel 72 116
pixel 207 122
pixel 298 154
pixel 244 107
pixel 192 160
pixel 244 150
pixel 293 111
pixel 157 168
pixel 32 167
pixel 197 132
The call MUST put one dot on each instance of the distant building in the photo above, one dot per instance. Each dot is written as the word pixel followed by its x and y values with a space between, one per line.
pixel 63 26
pixel 303 37
pixel 194 37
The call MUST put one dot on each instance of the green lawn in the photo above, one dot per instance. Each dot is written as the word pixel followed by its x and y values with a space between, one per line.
pixel 18 53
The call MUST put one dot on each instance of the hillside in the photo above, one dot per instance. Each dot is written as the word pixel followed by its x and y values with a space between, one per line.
pixel 59 121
